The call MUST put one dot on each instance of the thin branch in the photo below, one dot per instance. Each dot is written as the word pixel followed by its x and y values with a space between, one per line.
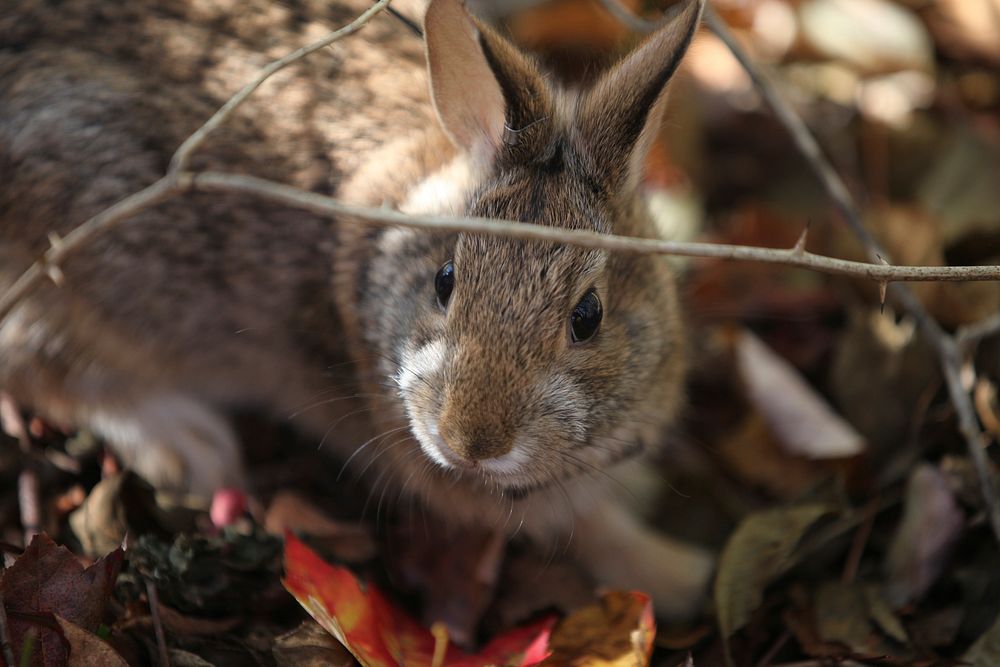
pixel 153 598
pixel 946 346
pixel 61 249
pixel 795 256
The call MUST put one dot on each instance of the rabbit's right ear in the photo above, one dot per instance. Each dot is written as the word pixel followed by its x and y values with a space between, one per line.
pixel 487 94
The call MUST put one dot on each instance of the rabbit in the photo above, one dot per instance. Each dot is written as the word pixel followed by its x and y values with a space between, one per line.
pixel 502 378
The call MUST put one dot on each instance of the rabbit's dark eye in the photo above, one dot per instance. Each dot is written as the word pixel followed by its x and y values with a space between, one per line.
pixel 586 318
pixel 444 282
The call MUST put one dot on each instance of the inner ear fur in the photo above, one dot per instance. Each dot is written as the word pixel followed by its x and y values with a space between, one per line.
pixel 489 96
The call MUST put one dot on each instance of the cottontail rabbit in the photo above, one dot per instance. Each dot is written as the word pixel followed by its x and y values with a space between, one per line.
pixel 510 371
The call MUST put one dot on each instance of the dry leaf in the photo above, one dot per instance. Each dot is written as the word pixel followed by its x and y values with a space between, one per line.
pixel 616 632
pixel 309 645
pixel 48 579
pixel 759 550
pixel 86 649
pixel 797 415
pixel 931 523
pixel 455 572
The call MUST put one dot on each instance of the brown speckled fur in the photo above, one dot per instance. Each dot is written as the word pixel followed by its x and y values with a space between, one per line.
pixel 208 302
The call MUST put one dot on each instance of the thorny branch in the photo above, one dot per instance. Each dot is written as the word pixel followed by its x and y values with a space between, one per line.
pixel 178 180
pixel 949 348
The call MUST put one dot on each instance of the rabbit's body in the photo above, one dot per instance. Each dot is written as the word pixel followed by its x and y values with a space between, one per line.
pixel 491 413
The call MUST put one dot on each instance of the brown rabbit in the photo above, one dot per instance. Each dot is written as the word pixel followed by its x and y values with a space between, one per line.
pixel 509 371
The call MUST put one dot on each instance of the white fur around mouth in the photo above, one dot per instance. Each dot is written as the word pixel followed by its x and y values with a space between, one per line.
pixel 418 366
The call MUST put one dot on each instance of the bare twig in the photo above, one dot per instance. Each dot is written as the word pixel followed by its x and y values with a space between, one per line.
pixel 945 344
pixel 154 610
pixel 795 256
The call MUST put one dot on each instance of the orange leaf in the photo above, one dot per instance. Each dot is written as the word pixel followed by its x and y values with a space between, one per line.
pixel 380 635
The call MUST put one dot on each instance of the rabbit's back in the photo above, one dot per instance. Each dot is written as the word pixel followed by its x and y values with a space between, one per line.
pixel 207 296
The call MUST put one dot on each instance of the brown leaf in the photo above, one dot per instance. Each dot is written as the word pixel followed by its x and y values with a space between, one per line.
pixel 87 649
pixel 455 571
pixel 47 579
pixel 760 549
pixel 290 511
pixel 931 523
pixel 310 645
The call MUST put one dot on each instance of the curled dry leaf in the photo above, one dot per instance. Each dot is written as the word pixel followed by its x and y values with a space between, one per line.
pixel 380 635
pixel 618 631
pixel 309 645
pixel 932 522
pixel 87 649
pixel 760 549
pixel 798 416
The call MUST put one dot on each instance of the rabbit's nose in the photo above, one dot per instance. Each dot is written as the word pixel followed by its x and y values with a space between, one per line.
pixel 472 443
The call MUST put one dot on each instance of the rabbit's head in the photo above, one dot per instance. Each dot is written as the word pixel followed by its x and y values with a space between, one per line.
pixel 523 362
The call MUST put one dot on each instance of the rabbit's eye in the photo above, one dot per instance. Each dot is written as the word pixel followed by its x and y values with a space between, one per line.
pixel 586 318
pixel 444 282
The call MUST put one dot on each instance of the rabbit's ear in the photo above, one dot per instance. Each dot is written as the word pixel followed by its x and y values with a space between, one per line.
pixel 620 115
pixel 487 94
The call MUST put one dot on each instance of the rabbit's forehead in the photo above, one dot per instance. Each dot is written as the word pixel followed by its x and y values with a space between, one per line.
pixel 518 287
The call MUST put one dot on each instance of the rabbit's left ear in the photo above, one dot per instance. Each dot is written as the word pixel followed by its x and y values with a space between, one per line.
pixel 620 115
pixel 487 94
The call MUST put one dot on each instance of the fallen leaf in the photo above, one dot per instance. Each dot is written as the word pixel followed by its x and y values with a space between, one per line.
pixel 931 523
pixel 309 645
pixel 87 649
pixel 48 580
pixel 844 615
pixel 618 631
pixel 797 415
pixel 760 549
pixel 378 634
pixel 985 652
